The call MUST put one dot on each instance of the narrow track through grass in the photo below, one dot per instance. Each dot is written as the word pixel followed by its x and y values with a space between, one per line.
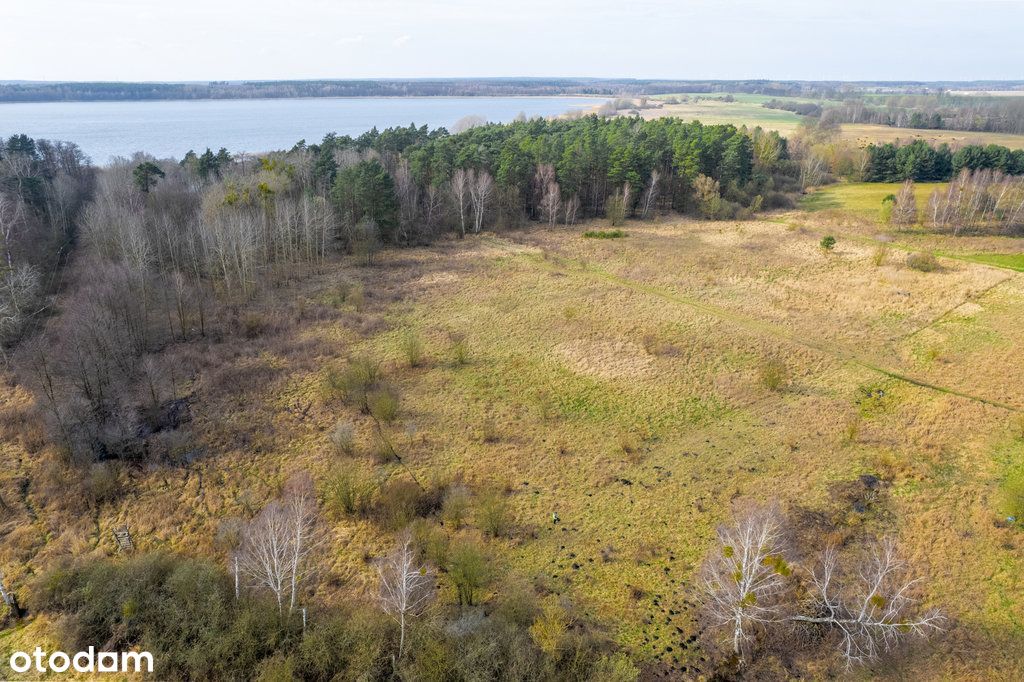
pixel 756 326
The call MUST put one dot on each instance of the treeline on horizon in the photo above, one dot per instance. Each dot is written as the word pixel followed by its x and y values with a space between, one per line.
pixel 31 91
pixel 930 112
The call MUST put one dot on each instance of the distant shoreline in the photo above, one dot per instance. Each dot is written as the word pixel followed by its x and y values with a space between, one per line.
pixel 19 92
pixel 307 97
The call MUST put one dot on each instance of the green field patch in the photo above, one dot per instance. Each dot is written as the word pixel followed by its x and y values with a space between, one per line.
pixel 862 198
pixel 1010 261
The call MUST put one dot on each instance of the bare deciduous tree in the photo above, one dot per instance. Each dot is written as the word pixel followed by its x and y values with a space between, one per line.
pixel 813 170
pixel 904 210
pixel 300 505
pixel 460 195
pixel 551 203
pixel 265 556
pixel 743 580
pixel 433 204
pixel 408 192
pixel 980 199
pixel 12 212
pixel 650 194
pixel 468 122
pixel 572 209
pixel 277 543
pixel 865 599
pixel 871 607
pixel 405 587
pixel 481 186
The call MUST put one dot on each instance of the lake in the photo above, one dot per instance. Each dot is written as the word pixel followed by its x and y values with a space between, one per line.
pixel 171 128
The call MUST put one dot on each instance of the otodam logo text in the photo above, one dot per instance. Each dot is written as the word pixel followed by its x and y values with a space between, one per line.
pixel 88 661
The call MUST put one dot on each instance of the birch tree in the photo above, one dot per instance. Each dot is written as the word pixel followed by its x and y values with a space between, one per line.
pixel 650 196
pixel 405 587
pixel 572 209
pixel 744 579
pixel 460 195
pixel 278 542
pixel 12 212
pixel 869 603
pixel 904 210
pixel 300 507
pixel 866 599
pixel 266 557
pixel 481 187
pixel 551 203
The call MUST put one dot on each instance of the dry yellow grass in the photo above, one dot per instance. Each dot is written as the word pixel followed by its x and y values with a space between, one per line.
pixel 622 378
pixel 864 134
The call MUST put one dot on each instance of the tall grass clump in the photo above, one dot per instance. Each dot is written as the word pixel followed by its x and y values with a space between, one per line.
pixel 880 254
pixel 412 349
pixel 922 261
pixel 493 515
pixel 772 374
pixel 604 234
pixel 355 382
pixel 382 403
pixel 459 350
pixel 348 492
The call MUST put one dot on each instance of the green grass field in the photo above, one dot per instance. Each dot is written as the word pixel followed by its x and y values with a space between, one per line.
pixel 863 201
pixel 746 110
pixel 861 198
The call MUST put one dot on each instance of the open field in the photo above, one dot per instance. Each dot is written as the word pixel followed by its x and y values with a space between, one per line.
pixel 616 382
pixel 853 210
pixel 864 134
pixel 748 110
pixel 862 198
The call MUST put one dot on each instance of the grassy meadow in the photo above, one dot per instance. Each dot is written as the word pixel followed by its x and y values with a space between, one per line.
pixel 863 199
pixel 621 384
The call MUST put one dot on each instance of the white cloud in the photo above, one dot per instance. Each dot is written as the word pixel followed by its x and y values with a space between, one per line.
pixel 401 40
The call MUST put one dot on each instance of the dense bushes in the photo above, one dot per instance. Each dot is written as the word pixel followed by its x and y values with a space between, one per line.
pixel 185 613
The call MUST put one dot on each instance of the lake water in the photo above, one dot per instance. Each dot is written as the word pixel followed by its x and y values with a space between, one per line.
pixel 106 129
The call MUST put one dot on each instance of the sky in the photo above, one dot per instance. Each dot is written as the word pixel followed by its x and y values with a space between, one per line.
pixel 159 40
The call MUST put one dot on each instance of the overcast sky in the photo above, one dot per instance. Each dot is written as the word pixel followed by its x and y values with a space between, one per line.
pixel 254 39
